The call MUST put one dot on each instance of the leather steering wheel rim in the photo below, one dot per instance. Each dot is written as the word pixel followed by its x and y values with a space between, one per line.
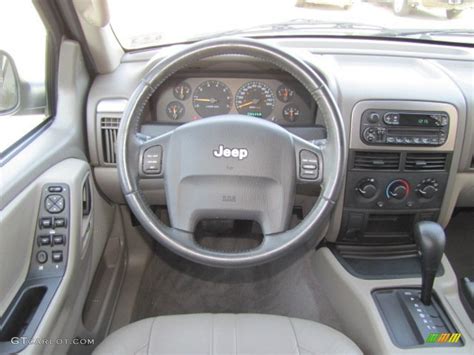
pixel 130 148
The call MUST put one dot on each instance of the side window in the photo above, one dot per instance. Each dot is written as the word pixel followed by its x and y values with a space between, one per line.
pixel 23 97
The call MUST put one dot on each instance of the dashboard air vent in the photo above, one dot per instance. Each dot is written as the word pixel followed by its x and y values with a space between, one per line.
pixel 109 129
pixel 376 161
pixel 426 161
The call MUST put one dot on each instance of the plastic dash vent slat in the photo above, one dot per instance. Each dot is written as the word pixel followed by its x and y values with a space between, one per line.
pixel 109 128
pixel 426 161
pixel 376 161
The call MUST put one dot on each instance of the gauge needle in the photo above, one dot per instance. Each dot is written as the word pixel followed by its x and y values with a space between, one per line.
pixel 212 101
pixel 248 103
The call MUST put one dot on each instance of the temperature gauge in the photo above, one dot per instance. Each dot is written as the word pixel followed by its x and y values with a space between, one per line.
pixel 291 112
pixel 175 110
pixel 182 91
pixel 285 94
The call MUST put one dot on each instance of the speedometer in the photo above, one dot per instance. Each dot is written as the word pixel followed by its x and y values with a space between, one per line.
pixel 255 99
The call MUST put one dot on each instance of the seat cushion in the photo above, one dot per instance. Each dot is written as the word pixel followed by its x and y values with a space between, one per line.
pixel 226 334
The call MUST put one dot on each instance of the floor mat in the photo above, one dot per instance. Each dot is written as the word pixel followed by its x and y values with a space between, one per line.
pixel 460 243
pixel 173 285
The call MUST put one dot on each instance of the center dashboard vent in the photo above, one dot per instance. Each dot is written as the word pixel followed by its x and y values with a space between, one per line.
pixel 376 161
pixel 426 162
pixel 109 130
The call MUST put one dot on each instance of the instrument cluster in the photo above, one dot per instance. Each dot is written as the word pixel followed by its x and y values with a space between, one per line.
pixel 185 99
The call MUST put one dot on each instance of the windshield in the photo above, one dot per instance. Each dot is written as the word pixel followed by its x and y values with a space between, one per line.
pixel 146 23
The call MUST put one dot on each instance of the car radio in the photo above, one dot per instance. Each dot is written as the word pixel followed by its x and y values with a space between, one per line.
pixel 389 127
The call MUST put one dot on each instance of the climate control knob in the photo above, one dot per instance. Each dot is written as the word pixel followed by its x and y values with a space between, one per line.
pixel 427 188
pixel 397 189
pixel 367 188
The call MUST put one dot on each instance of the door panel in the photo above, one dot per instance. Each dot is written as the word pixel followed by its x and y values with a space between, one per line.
pixel 48 295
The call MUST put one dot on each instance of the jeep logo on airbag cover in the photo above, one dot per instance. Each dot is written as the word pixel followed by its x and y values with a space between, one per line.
pixel 223 152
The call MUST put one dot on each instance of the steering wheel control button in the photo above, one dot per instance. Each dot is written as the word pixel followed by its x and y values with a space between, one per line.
pixel 44 240
pixel 46 223
pixel 58 239
pixel 152 160
pixel 309 165
pixel 59 222
pixel 57 256
pixel 54 203
pixel 42 257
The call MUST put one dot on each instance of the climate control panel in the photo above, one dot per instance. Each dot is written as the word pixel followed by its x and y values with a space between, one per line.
pixel 385 190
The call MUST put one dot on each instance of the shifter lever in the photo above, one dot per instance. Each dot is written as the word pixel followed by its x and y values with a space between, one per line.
pixel 430 238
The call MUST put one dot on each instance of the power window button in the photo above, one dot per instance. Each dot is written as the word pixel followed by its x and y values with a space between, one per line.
pixel 58 240
pixel 46 223
pixel 59 222
pixel 44 240
pixel 57 256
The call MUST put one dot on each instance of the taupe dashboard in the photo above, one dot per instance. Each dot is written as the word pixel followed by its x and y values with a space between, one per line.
pixel 388 76
pixel 194 96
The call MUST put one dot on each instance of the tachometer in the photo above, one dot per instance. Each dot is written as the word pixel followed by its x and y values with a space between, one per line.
pixel 255 99
pixel 212 98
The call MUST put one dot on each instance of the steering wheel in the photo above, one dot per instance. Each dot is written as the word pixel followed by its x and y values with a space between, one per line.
pixel 231 166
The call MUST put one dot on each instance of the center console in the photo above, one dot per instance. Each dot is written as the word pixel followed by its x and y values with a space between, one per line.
pixel 398 176
pixel 399 160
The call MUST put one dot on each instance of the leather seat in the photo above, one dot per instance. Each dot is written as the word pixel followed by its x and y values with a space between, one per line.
pixel 226 334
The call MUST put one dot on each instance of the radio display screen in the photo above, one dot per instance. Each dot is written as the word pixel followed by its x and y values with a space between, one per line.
pixel 418 120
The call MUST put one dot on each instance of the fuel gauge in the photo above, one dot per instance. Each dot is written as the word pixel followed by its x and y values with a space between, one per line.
pixel 175 110
pixel 291 112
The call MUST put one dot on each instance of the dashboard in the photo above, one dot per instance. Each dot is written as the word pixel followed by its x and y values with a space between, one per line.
pixel 407 112
pixel 187 98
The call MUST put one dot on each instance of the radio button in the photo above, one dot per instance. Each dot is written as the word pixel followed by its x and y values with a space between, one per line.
pixel 391 118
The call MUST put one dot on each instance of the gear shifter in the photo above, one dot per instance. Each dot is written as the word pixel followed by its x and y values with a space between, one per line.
pixel 430 238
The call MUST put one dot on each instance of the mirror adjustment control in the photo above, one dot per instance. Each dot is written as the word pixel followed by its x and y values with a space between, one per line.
pixel 42 257
pixel 54 203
